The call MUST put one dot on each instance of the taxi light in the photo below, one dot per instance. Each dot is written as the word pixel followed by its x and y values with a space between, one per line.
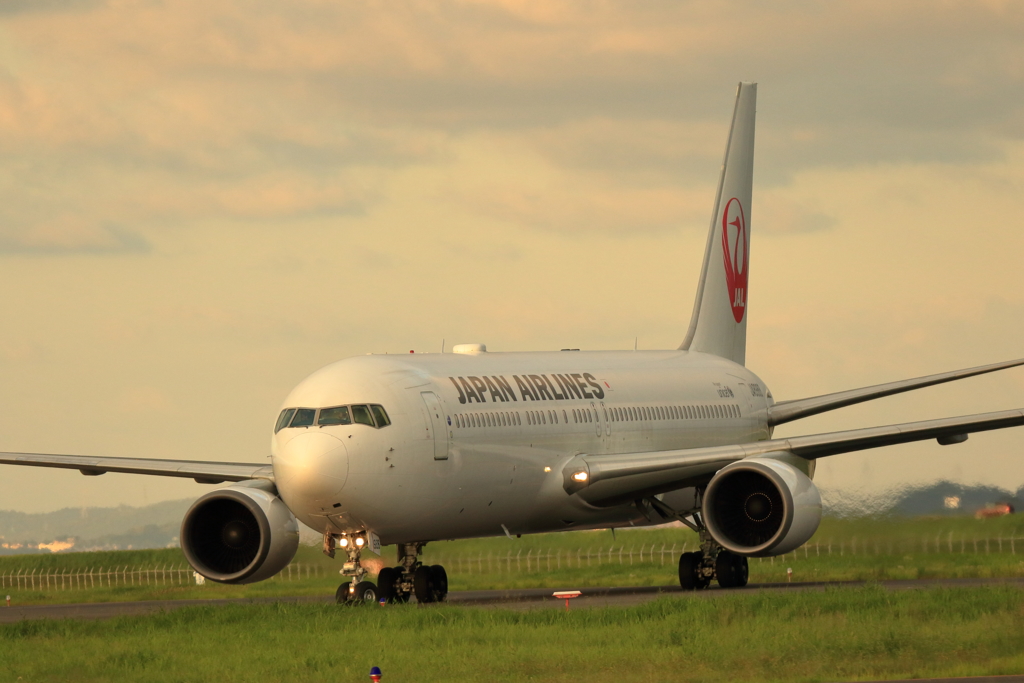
pixel 360 542
pixel 547 469
pixel 580 476
pixel 343 542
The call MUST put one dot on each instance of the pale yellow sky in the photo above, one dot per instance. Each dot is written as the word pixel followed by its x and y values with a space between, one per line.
pixel 202 202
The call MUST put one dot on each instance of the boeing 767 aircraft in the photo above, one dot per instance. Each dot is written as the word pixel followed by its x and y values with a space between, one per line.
pixel 405 450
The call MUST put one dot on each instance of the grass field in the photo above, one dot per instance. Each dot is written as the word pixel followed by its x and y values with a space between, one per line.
pixel 841 634
pixel 858 549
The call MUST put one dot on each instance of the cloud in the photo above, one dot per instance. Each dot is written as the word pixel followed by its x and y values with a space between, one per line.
pixel 11 7
pixel 67 236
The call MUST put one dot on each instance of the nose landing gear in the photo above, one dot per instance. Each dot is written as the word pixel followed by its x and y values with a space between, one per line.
pixel 356 590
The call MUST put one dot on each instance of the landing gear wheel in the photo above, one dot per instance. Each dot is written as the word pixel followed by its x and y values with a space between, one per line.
pixel 423 584
pixel 439 582
pixel 386 589
pixel 690 576
pixel 341 596
pixel 366 591
pixel 731 569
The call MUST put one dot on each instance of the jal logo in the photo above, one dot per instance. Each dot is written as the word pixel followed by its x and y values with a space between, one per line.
pixel 734 248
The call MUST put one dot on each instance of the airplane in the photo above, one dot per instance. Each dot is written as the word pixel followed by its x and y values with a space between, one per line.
pixel 407 449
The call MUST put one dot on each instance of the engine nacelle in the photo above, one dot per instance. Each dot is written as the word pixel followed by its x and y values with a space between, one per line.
pixel 761 507
pixel 239 534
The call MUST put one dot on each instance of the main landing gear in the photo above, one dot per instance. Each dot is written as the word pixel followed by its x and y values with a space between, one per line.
pixel 712 562
pixel 429 583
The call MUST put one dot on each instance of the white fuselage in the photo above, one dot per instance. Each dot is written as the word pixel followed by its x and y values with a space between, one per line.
pixel 477 442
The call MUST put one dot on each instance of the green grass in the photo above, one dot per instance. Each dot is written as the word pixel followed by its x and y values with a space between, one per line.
pixel 839 634
pixel 884 549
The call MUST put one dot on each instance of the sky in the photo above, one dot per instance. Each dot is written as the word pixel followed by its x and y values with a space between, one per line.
pixel 203 202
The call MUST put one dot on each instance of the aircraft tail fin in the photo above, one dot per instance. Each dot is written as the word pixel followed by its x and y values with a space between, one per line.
pixel 719 322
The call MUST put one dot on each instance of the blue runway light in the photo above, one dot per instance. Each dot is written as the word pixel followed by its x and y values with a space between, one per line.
pixel 375 674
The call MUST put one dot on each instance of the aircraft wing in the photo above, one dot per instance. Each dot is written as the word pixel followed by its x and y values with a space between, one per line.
pixel 202 471
pixel 787 411
pixel 616 478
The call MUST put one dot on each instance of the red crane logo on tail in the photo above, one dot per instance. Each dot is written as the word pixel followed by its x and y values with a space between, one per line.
pixel 734 248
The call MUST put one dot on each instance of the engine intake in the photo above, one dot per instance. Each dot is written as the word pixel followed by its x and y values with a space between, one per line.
pixel 761 507
pixel 239 534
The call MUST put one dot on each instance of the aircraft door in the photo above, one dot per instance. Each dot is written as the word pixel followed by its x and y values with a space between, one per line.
pixel 436 417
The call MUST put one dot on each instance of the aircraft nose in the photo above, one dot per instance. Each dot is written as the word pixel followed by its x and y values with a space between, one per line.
pixel 312 467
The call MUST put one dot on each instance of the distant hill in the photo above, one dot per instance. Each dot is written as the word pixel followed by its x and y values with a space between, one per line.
pixel 940 498
pixel 115 528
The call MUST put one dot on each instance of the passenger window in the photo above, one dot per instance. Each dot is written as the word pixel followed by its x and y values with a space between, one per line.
pixel 565 416
pixel 361 415
pixel 334 416
pixel 380 415
pixel 303 417
pixel 283 419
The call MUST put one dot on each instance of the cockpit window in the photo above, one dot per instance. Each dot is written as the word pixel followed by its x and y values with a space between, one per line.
pixel 380 416
pixel 361 415
pixel 284 419
pixel 303 417
pixel 335 416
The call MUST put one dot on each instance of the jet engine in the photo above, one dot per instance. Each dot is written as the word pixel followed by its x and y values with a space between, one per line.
pixel 239 534
pixel 761 507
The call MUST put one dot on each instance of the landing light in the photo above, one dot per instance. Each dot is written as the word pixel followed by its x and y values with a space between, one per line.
pixel 580 476
pixel 547 469
pixel 360 542
pixel 343 542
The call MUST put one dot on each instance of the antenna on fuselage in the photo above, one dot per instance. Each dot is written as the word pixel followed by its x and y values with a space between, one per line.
pixel 442 346
pixel 636 340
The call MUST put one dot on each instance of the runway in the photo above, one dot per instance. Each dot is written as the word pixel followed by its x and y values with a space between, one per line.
pixel 526 598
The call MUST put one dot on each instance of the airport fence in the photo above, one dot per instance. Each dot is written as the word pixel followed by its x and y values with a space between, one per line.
pixel 101 577
pixel 531 560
